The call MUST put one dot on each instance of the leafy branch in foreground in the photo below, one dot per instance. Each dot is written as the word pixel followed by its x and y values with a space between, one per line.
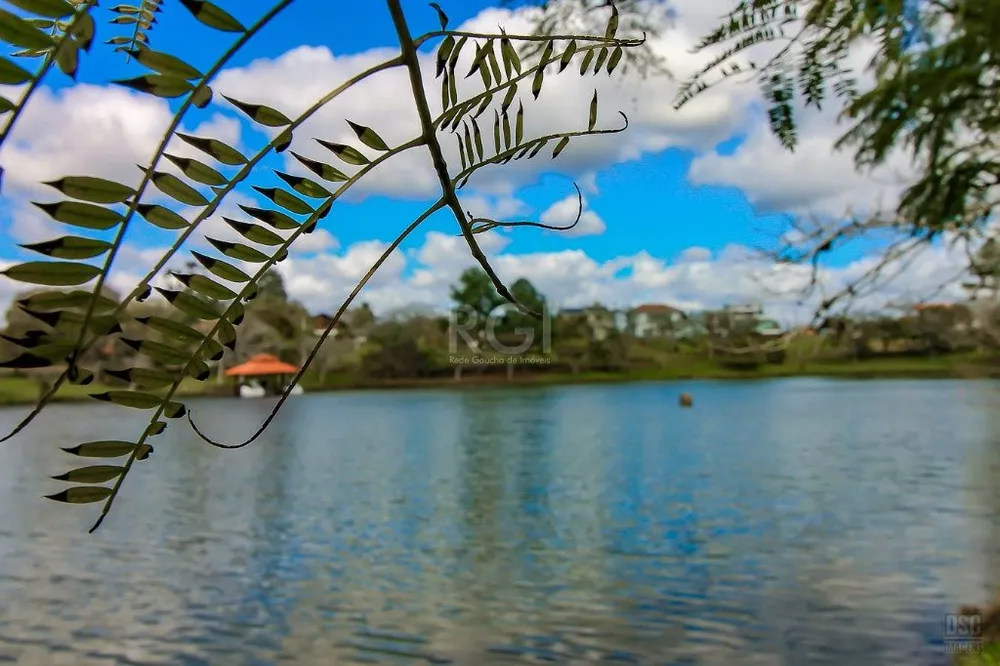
pixel 204 308
pixel 931 89
pixel 55 31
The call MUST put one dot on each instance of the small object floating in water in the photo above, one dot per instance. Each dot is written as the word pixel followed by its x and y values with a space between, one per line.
pixel 686 400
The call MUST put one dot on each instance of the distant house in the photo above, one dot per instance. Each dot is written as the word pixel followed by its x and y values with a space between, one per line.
pixel 654 320
pixel 599 320
pixel 748 317
pixel 955 317
pixel 321 322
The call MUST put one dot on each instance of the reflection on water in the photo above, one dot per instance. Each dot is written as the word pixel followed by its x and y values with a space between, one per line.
pixel 800 522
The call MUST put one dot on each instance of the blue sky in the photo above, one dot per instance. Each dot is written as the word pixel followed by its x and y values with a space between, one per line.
pixel 672 206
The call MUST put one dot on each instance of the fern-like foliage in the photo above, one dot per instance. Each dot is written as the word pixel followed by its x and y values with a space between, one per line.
pixel 209 304
pixel 53 32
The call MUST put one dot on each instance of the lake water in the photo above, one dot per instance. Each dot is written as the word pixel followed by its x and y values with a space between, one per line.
pixel 799 522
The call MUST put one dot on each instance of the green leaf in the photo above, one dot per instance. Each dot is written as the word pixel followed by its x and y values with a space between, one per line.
pixel 158 85
pixel 236 311
pixel 202 97
pixel 133 399
pixel 218 150
pixel 469 150
pixel 304 186
pixel 602 55
pixel 62 300
pixel 84 215
pixel 12 74
pixel 275 218
pixel 68 58
pixel 190 304
pixel 282 141
pixel 206 286
pixel 585 63
pixel 79 376
pixel 496 130
pixel 559 146
pixel 259 113
pixel 519 125
pixel 255 233
pixel 567 55
pixel 478 136
pixel 155 428
pixel 344 152
pixel 593 112
pixel 51 8
pixel 174 410
pixel 174 330
pixel 158 351
pixel 83 30
pixel 464 162
pixel 220 268
pixel 212 350
pixel 494 65
pixel 197 171
pixel 616 57
pixel 96 190
pixel 164 63
pixel 15 30
pixel 546 54
pixel 161 217
pixel 506 131
pixel 609 32
pixel 27 361
pixel 324 171
pixel 444 50
pixel 238 251
pixel 6 105
pixel 92 474
pixel 101 324
pixel 286 200
pixel 213 16
pixel 144 377
pixel 81 495
pixel 227 334
pixel 53 273
pixel 368 137
pixel 102 449
pixel 453 59
pixel 442 17
pixel 509 97
pixel 177 189
pixel 70 247
pixel 536 82
pixel 511 60
pixel 483 105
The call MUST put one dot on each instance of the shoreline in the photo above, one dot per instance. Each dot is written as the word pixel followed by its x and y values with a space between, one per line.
pixel 922 369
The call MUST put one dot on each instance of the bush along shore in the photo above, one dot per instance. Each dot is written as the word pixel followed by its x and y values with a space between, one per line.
pixel 18 388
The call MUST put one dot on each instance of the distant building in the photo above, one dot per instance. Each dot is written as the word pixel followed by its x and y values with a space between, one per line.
pixel 319 323
pixel 599 320
pixel 653 320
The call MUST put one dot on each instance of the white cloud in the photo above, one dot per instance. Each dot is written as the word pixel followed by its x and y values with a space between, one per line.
pixel 493 207
pixel 696 279
pixel 563 213
pixel 295 80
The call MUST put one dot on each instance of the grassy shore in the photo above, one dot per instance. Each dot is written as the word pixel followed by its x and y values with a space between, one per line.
pixel 23 390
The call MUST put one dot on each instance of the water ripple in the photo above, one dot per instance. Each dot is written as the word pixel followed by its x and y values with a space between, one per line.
pixel 799 523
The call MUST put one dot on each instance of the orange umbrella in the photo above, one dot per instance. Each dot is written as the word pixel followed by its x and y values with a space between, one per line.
pixel 262 364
